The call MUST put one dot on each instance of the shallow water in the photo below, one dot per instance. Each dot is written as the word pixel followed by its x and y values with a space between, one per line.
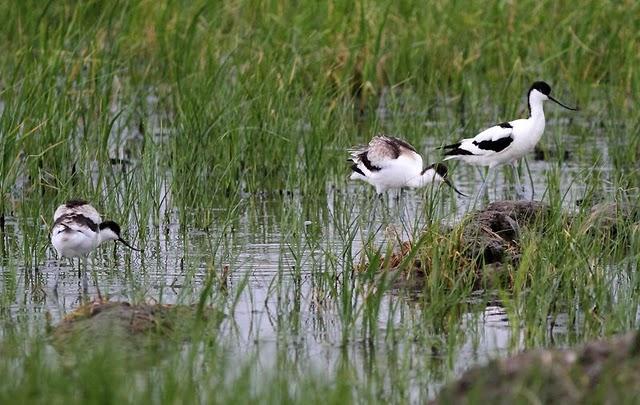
pixel 286 271
pixel 173 266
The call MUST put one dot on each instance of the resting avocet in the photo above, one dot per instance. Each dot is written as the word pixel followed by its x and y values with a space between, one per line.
pixel 388 162
pixel 507 142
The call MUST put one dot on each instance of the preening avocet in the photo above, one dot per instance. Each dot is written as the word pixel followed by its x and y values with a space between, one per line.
pixel 506 142
pixel 78 229
pixel 388 162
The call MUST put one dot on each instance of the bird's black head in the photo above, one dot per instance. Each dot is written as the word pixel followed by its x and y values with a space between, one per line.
pixel 114 227
pixel 76 202
pixel 542 87
pixel 545 89
pixel 441 169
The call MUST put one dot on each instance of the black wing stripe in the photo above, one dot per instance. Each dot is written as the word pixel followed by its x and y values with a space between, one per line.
pixel 496 146
pixel 395 142
pixel 458 152
pixel 81 219
pixel 452 146
pixel 505 125
pixel 367 163
pixel 65 228
pixel 357 170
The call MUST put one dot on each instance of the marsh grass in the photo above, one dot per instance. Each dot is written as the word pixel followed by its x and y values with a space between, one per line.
pixel 210 128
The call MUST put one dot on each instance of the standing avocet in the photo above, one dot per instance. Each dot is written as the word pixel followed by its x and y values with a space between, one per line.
pixel 388 162
pixel 78 229
pixel 506 142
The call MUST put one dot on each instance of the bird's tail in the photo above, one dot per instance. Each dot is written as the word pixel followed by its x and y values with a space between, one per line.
pixel 452 146
pixel 454 150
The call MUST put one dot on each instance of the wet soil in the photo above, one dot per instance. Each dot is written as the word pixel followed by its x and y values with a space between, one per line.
pixel 602 371
pixel 132 327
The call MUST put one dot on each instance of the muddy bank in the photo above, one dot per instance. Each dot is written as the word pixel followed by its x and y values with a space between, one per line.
pixel 603 371
pixel 130 328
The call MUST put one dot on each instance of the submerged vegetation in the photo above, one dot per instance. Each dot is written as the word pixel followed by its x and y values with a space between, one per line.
pixel 215 133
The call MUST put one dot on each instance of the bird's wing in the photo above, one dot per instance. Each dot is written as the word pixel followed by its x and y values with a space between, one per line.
pixel 383 151
pixel 402 146
pixel 75 223
pixel 488 142
pixel 77 207
pixel 361 163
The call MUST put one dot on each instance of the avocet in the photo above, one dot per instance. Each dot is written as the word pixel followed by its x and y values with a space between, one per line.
pixel 391 163
pixel 78 229
pixel 507 142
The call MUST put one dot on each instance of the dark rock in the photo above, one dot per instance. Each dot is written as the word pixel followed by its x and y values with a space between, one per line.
pixel 487 241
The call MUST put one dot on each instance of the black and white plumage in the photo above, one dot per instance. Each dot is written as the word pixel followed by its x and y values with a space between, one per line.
pixel 488 148
pixel 507 142
pixel 388 162
pixel 78 229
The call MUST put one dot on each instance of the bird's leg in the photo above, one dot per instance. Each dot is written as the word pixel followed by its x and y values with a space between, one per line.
pixel 95 281
pixel 372 214
pixel 399 195
pixel 85 283
pixel 519 186
pixel 405 217
pixel 383 201
pixel 94 275
pixel 526 163
pixel 483 187
pixel 372 217
pixel 405 212
pixel 55 285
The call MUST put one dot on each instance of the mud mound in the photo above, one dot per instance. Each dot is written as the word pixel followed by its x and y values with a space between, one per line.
pixel 603 371
pixel 128 327
pixel 491 235
pixel 485 240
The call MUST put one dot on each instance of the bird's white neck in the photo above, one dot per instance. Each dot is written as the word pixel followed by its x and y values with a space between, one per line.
pixel 536 100
pixel 536 120
pixel 106 235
